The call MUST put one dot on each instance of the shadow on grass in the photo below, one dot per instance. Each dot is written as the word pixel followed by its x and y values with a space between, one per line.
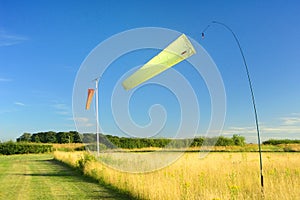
pixel 74 175
pixel 41 174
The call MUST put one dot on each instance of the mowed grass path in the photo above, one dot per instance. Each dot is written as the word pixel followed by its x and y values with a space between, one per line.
pixel 41 177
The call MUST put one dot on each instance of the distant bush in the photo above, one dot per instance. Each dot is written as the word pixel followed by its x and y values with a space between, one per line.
pixel 82 148
pixel 283 141
pixel 10 148
pixel 288 149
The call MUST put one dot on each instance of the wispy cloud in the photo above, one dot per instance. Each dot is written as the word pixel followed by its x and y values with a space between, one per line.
pixel 7 111
pixel 7 39
pixel 288 127
pixel 80 119
pixel 83 122
pixel 60 106
pixel 19 103
pixel 292 120
pixel 5 79
pixel 62 109
pixel 263 129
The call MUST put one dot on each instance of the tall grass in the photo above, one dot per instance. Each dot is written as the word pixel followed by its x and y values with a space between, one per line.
pixel 68 146
pixel 217 176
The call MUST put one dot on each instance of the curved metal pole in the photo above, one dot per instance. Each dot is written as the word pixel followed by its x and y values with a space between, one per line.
pixel 252 95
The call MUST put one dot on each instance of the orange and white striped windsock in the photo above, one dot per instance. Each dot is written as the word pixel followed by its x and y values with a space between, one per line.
pixel 89 98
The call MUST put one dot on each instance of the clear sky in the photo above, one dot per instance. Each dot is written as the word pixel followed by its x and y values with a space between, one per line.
pixel 43 44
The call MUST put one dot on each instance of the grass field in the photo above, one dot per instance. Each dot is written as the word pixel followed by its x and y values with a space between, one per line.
pixel 217 176
pixel 40 177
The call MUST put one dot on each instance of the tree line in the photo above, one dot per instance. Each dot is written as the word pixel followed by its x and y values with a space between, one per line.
pixel 110 141
pixel 51 137
pixel 281 141
pixel 130 143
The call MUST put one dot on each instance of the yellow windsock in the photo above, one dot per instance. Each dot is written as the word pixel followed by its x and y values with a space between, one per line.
pixel 179 50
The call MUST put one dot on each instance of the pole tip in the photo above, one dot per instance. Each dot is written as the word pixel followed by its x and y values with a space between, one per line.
pixel 202 34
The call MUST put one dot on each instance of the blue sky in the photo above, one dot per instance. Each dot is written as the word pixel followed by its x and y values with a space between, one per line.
pixel 43 44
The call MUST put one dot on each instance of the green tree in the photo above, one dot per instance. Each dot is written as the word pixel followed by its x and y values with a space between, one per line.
pixel 238 140
pixel 42 137
pixel 62 137
pixel 223 141
pixel 76 137
pixel 35 138
pixel 26 137
pixel 50 137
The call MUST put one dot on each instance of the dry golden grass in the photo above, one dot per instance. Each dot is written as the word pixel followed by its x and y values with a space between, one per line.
pixel 290 147
pixel 217 176
pixel 67 146
pixel 245 148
